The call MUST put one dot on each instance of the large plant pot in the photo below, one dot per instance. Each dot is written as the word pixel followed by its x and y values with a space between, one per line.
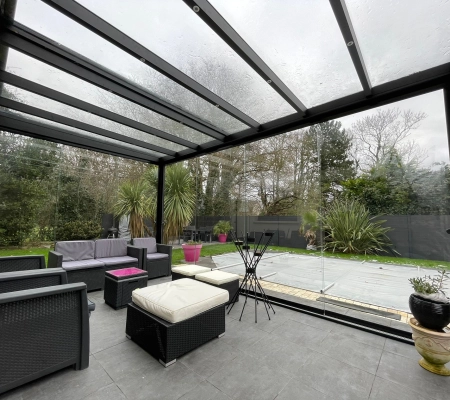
pixel 191 252
pixel 433 346
pixel 428 313
pixel 222 237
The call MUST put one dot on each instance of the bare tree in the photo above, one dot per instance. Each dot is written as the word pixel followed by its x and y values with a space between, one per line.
pixel 376 136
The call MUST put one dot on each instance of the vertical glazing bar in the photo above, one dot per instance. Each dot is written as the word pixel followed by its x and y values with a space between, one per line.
pixel 447 112
pixel 160 204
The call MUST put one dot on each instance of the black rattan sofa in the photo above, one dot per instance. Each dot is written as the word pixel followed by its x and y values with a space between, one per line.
pixel 87 260
pixel 157 258
pixel 42 331
pixel 21 263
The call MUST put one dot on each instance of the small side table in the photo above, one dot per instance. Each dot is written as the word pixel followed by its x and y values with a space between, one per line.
pixel 119 284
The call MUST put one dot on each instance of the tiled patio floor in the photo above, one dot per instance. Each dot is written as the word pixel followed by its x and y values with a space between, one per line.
pixel 293 356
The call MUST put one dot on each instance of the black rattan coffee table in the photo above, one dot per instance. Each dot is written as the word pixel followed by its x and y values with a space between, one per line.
pixel 120 283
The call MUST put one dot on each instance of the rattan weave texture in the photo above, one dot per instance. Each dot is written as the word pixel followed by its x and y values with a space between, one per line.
pixel 29 283
pixel 118 293
pixel 28 341
pixel 166 341
pixel 22 263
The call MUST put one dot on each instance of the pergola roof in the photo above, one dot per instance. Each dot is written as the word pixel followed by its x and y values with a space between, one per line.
pixel 163 81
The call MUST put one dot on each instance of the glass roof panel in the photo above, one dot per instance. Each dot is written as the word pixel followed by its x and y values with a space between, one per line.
pixel 46 75
pixel 174 32
pixel 399 38
pixel 86 134
pixel 56 26
pixel 55 107
pixel 301 42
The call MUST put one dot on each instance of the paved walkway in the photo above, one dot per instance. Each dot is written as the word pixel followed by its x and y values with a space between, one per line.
pixel 384 286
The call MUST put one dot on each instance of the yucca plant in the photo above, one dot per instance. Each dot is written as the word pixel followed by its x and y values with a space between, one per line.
pixel 349 228
pixel 133 201
pixel 179 198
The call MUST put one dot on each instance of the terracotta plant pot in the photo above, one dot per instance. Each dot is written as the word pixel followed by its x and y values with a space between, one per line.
pixel 433 346
pixel 222 237
pixel 191 252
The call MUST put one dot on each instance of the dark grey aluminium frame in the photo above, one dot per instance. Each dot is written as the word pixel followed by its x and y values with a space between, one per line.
pixel 32 43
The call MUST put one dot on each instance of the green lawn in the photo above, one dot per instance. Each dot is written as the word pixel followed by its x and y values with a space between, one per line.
pixel 216 249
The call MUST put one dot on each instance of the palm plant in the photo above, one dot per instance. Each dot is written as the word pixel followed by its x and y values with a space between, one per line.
pixel 179 198
pixel 133 201
pixel 350 229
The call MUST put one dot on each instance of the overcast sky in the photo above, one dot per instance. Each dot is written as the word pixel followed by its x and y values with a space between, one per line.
pixel 432 131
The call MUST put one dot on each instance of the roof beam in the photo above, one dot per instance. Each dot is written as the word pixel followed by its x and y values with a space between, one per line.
pixel 345 24
pixel 33 44
pixel 223 29
pixel 22 126
pixel 107 31
pixel 88 107
pixel 37 112
pixel 409 86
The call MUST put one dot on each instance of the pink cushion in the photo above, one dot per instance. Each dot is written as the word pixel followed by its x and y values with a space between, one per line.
pixel 126 272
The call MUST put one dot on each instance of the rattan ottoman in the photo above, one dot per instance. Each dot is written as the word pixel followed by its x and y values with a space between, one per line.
pixel 187 271
pixel 222 280
pixel 172 318
pixel 119 284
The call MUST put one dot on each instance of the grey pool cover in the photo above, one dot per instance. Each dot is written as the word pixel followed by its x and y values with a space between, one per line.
pixel 374 283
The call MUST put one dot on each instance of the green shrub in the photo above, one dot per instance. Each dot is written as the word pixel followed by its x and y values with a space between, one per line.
pixel 349 228
pixel 79 230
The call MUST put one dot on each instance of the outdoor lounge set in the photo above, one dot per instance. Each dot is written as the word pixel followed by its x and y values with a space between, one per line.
pixel 87 260
pixel 44 317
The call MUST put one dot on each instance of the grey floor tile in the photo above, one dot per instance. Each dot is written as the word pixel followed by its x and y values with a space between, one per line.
pixel 203 391
pixel 65 384
pixel 404 349
pixel 266 347
pixel 302 334
pixel 107 331
pixel 346 349
pixel 264 323
pixel 240 334
pixel 383 389
pixel 210 357
pixel 314 321
pixel 124 358
pixel 156 382
pixel 360 336
pixel 290 358
pixel 297 390
pixel 110 392
pixel 409 373
pixel 334 377
pixel 250 378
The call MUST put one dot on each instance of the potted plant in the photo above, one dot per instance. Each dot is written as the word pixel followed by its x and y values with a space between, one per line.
pixel 309 227
pixel 191 250
pixel 431 309
pixel 221 229
pixel 429 304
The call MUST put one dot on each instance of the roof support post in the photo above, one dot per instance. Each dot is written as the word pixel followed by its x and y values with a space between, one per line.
pixel 160 204
pixel 447 112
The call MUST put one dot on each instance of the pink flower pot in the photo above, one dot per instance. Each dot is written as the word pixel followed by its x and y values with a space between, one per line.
pixel 222 237
pixel 191 252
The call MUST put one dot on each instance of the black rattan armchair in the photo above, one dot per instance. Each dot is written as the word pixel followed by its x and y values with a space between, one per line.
pixel 21 263
pixel 42 331
pixel 32 279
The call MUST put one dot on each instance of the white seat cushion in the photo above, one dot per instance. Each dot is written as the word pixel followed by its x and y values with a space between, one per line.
pixel 189 270
pixel 179 300
pixel 216 277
